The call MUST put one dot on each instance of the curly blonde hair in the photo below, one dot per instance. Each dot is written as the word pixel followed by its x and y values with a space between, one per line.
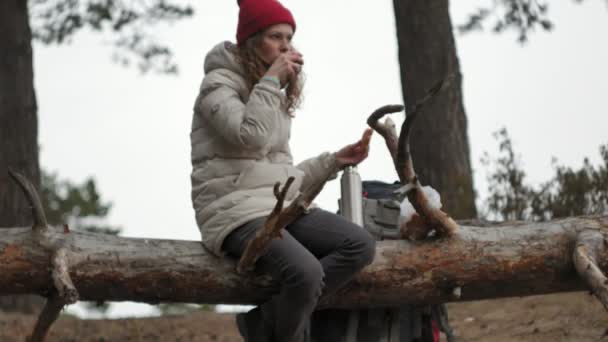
pixel 255 68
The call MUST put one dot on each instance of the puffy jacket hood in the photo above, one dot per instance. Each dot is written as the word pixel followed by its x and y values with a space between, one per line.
pixel 222 56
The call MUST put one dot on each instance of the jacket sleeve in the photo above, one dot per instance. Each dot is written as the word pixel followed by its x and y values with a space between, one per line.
pixel 314 168
pixel 247 125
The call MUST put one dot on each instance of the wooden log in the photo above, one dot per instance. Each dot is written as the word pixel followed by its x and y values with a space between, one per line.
pixel 516 259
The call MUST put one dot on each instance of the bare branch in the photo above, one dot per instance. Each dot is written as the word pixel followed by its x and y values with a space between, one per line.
pixel 432 217
pixel 279 219
pixel 387 129
pixel 584 257
pixel 40 222
pixel 257 246
pixel 61 277
pixel 404 158
pixel 405 163
pixel 65 293
pixel 430 94
pixel 54 305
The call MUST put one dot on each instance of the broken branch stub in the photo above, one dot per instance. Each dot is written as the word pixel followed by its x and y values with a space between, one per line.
pixel 40 222
pixel 588 245
pixel 64 291
pixel 61 277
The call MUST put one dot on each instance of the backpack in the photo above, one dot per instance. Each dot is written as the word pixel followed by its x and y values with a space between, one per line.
pixel 409 323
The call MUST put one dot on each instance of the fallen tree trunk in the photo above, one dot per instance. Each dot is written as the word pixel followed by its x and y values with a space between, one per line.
pixel 479 262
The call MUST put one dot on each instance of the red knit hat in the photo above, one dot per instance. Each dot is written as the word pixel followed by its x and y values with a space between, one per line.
pixel 256 15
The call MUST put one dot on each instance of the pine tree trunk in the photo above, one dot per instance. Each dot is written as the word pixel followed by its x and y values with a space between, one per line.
pixel 439 141
pixel 18 124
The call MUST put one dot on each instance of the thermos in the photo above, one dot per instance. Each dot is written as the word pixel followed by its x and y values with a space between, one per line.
pixel 351 207
pixel 351 197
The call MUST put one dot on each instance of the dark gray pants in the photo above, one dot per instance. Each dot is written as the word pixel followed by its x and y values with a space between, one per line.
pixel 318 254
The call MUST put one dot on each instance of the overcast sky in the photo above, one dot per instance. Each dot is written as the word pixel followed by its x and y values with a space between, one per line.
pixel 131 131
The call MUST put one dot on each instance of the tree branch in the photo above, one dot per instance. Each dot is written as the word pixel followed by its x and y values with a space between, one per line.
pixel 61 277
pixel 432 218
pixel 40 222
pixel 387 130
pixel 50 312
pixel 279 219
pixel 64 291
pixel 584 257
pixel 258 246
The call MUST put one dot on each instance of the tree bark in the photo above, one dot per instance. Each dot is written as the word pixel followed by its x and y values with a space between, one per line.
pixel 516 259
pixel 439 141
pixel 18 125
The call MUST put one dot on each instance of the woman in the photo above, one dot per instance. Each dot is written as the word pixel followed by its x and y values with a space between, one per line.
pixel 240 134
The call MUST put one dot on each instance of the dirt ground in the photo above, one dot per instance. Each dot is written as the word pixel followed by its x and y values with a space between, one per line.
pixel 559 317
pixel 563 317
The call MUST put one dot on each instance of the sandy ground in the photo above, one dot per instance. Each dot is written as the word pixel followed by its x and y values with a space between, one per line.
pixel 563 317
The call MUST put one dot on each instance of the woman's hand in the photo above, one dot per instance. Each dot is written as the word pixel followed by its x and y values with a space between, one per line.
pixel 355 153
pixel 286 67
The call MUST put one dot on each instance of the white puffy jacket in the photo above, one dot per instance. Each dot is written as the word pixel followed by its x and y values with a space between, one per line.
pixel 240 149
